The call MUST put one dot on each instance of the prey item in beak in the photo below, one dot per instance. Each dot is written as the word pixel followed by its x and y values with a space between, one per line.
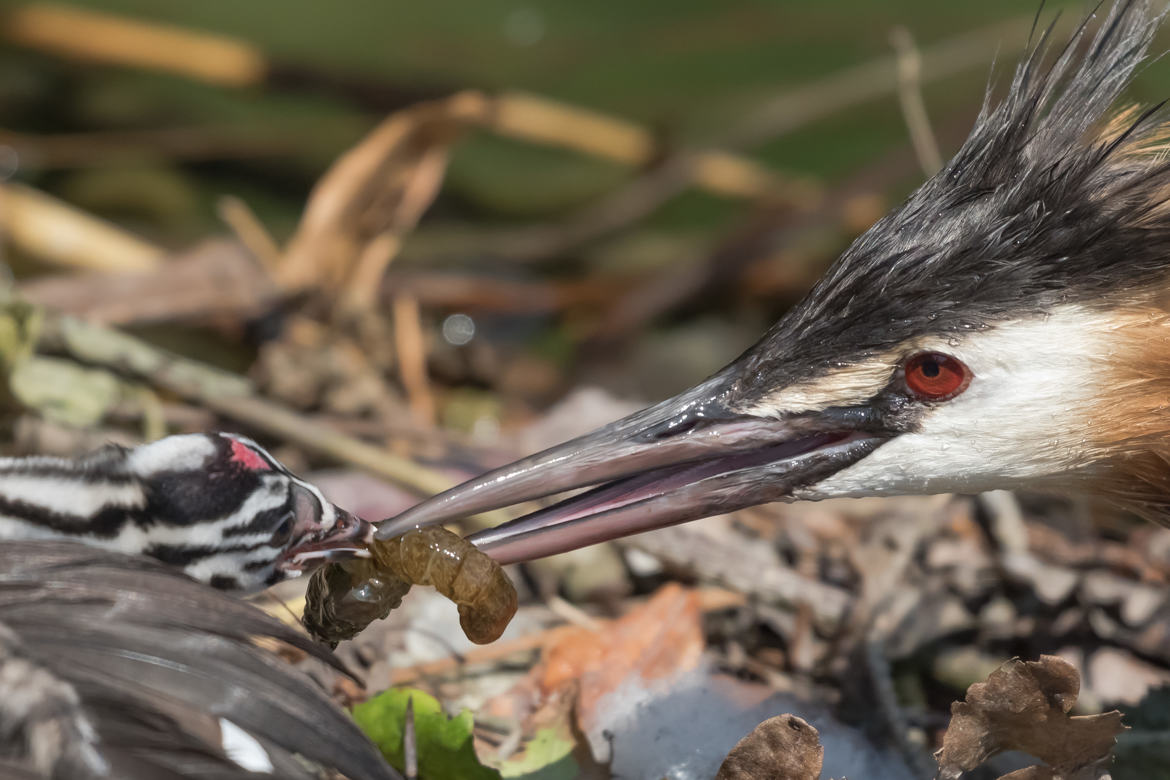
pixel 346 538
pixel 686 458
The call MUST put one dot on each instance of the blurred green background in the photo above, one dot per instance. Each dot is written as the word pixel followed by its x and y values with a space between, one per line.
pixel 104 137
pixel 685 68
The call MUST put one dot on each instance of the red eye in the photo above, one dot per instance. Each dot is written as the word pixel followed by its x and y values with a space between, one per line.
pixel 934 376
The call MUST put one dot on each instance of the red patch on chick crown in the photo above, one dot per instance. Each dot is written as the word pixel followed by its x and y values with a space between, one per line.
pixel 248 457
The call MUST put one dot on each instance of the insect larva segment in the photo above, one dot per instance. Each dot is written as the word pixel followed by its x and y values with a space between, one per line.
pixel 345 597
pixel 342 599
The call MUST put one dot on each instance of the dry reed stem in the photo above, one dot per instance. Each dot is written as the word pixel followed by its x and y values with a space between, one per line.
pixel 55 232
pixel 109 38
pixel 412 357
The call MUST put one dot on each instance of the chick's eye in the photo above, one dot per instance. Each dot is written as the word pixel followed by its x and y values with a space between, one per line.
pixel 282 534
pixel 934 376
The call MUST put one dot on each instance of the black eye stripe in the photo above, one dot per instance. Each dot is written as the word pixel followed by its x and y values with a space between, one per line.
pixel 106 523
pixel 262 522
pixel 180 555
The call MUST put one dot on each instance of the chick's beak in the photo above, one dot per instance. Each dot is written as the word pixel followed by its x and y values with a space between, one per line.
pixel 686 458
pixel 346 538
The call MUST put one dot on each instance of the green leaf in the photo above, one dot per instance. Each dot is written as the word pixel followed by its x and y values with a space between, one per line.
pixel 64 391
pixel 445 748
pixel 547 756
pixel 20 327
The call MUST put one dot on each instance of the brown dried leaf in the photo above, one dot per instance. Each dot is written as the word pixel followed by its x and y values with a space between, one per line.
pixel 652 644
pixel 372 196
pixel 1024 706
pixel 784 747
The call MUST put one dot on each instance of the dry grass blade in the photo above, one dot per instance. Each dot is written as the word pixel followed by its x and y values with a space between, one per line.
pixel 910 98
pixel 57 233
pixel 540 120
pixel 372 196
pixel 820 98
pixel 107 38
pixel 250 231
pixel 104 148
pixel 412 357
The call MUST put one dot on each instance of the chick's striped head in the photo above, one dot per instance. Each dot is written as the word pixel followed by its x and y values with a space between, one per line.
pixel 226 512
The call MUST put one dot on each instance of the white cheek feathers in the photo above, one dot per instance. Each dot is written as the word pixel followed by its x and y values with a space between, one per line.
pixel 1026 419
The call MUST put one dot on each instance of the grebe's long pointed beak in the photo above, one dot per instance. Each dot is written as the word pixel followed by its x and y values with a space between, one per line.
pixel 686 458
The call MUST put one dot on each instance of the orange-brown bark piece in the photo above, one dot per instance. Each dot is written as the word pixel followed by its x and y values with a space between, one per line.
pixel 657 641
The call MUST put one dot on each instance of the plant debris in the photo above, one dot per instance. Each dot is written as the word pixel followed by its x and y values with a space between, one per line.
pixel 1025 705
pixel 781 747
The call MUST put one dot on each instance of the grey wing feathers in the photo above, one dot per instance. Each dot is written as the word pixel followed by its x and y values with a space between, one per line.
pixel 114 666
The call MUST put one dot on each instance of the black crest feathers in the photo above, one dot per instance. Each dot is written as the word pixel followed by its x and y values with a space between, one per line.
pixel 1057 196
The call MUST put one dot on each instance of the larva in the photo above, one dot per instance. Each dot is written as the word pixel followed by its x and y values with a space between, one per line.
pixel 345 597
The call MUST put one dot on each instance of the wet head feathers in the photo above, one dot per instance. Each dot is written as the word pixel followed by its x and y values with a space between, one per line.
pixel 1056 197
